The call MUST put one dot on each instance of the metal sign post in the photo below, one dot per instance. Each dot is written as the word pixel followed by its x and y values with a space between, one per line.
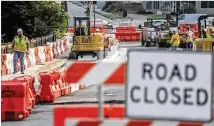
pixel 100 109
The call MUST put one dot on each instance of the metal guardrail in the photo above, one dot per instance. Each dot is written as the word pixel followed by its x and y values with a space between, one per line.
pixel 39 41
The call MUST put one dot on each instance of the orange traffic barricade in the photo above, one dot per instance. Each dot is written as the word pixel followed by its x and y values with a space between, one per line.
pixel 13 92
pixel 53 85
pixel 30 80
pixel 36 53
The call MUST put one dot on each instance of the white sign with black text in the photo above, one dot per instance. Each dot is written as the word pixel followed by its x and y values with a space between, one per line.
pixel 169 85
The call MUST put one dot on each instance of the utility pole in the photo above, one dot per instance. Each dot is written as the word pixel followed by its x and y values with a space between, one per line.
pixel 94 13
pixel 66 10
pixel 177 12
pixel 66 6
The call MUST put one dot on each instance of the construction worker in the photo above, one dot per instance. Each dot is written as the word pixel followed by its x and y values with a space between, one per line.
pixel 81 29
pixel 97 30
pixel 212 28
pixel 20 46
pixel 208 33
pixel 175 40
pixel 189 40
pixel 99 35
pixel 167 25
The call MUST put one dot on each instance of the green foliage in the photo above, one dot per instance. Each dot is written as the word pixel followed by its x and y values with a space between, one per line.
pixel 31 15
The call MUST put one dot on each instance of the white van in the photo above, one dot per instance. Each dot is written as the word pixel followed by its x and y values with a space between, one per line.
pixel 189 19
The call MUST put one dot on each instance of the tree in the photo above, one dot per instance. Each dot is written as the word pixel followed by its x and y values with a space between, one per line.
pixel 30 15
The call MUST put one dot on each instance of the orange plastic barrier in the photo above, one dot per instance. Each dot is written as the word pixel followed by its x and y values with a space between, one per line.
pixel 125 36
pixel 36 53
pixel 30 80
pixel 3 49
pixel 86 111
pixel 94 29
pixel 53 85
pixel 55 50
pixel 65 44
pixel 13 92
pixel 193 27
pixel 48 54
pixel 71 30
pixel 126 29
pixel 4 69
pixel 28 62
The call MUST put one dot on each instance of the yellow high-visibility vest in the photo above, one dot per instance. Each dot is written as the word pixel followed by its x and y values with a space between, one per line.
pixel 208 34
pixel 20 46
pixel 177 42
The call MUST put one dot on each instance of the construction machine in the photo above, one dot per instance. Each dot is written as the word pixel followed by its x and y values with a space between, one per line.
pixel 160 23
pixel 86 43
pixel 203 42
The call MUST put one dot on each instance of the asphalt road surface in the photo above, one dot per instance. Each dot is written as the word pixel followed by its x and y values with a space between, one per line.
pixel 43 114
pixel 76 11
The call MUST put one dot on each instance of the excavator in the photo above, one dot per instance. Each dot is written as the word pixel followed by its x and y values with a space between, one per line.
pixel 203 42
pixel 86 43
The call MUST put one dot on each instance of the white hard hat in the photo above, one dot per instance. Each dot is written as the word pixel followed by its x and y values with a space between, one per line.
pixel 19 30
pixel 97 30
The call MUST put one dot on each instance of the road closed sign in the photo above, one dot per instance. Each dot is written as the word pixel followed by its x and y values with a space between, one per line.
pixel 169 85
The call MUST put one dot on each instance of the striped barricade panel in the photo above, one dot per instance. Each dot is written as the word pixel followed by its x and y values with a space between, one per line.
pixel 129 122
pixel 90 73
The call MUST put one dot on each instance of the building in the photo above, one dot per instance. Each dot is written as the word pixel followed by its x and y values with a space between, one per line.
pixel 206 7
pixel 170 6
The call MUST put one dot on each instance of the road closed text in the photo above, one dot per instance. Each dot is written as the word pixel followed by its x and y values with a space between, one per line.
pixel 169 91
pixel 174 96
pixel 162 72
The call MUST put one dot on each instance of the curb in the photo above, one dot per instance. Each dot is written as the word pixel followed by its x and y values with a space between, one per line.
pixel 52 66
